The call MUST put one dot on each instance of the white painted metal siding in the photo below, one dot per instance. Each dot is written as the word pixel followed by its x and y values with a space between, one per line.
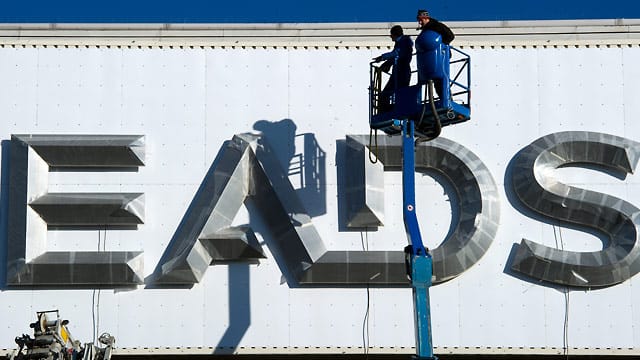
pixel 188 101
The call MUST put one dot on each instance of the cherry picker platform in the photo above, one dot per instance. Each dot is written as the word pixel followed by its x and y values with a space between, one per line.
pixel 417 118
pixel 435 100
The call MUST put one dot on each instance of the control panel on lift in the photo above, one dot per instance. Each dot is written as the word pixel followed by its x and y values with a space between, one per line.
pixel 440 94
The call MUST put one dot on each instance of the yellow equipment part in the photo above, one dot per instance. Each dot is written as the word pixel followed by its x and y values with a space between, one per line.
pixel 64 334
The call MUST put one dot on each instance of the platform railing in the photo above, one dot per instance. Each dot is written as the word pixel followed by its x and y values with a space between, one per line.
pixel 459 83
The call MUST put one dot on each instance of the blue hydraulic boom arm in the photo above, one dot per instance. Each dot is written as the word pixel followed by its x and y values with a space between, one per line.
pixel 419 119
pixel 419 263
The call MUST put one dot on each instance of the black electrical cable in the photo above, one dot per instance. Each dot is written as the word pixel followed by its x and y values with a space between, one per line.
pixel 365 321
pixel 438 125
pixel 565 292
pixel 375 94
pixel 95 296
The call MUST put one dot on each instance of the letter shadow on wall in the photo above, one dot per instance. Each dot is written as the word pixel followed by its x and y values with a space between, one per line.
pixel 302 159
pixel 239 303
pixel 304 162
pixel 4 210
pixel 518 205
pixel 341 170
pixel 449 191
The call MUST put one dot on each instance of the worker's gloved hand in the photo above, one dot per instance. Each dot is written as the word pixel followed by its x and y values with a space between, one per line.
pixel 377 59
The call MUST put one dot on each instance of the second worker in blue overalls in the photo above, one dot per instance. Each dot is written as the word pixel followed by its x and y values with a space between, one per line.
pixel 400 59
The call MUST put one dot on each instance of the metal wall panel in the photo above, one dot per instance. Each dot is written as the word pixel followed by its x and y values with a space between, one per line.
pixel 304 100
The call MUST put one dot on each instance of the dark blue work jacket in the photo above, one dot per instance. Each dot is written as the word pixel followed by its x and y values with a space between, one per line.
pixel 403 49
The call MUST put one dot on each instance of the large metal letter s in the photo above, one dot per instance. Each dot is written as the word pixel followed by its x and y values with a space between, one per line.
pixel 535 185
pixel 33 210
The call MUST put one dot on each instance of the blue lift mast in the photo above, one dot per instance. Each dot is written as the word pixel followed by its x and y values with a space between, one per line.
pixel 418 257
pixel 417 118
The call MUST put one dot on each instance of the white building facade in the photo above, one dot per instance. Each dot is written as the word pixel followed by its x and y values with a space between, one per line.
pixel 176 95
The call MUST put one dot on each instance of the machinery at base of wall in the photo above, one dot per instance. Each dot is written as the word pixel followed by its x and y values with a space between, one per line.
pixel 52 341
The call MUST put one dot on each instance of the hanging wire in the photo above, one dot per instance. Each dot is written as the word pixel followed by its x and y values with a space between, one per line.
pixel 93 302
pixel 373 134
pixel 364 239
pixel 95 296
pixel 557 232
pixel 435 132
pixel 375 92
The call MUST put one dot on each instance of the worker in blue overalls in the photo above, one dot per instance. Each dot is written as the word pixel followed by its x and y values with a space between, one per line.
pixel 400 59
pixel 427 24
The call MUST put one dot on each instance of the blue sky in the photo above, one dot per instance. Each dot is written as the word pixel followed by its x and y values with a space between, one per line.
pixel 288 11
